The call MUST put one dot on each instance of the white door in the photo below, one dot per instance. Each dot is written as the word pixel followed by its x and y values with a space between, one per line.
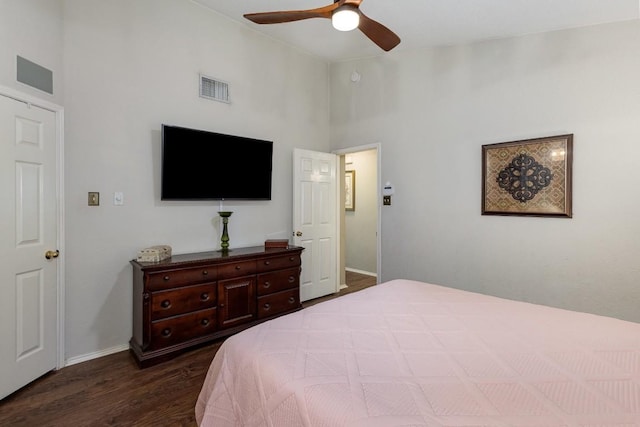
pixel 28 229
pixel 315 208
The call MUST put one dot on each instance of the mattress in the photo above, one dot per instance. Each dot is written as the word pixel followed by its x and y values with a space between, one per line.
pixel 407 353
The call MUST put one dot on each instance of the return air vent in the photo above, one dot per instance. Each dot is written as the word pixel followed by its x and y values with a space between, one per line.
pixel 211 88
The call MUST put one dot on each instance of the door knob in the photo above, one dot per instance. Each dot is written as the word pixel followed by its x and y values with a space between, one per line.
pixel 52 254
pixel 299 233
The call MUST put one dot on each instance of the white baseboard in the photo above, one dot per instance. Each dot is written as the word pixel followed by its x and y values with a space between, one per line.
pixel 90 356
pixel 367 273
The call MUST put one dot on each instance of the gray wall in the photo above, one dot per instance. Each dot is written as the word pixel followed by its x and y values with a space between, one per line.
pixel 432 109
pixel 32 29
pixel 129 67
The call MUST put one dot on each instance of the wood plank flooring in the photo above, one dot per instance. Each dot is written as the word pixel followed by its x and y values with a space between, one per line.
pixel 112 391
pixel 355 282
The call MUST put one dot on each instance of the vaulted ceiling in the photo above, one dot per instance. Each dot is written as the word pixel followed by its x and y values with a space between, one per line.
pixel 426 23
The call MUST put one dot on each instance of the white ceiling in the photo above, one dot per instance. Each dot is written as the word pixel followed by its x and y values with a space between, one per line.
pixel 427 23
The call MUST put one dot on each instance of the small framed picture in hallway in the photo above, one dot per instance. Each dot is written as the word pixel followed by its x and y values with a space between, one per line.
pixel 350 190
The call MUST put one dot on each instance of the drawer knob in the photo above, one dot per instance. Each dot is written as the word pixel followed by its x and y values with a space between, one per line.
pixel 165 304
pixel 166 332
pixel 292 259
pixel 292 279
pixel 237 267
pixel 166 278
pixel 267 285
pixel 204 322
pixel 205 272
pixel 267 306
pixel 292 300
pixel 204 296
pixel 267 263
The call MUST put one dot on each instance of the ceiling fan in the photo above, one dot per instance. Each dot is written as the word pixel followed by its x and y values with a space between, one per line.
pixel 345 16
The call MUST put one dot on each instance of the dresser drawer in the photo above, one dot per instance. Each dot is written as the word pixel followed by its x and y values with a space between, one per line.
pixel 177 329
pixel 175 278
pixel 277 303
pixel 277 281
pixel 182 300
pixel 236 269
pixel 278 263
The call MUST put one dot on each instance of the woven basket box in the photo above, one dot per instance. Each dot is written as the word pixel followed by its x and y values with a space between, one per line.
pixel 154 253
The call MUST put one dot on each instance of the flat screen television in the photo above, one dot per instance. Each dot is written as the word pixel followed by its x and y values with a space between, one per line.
pixel 203 165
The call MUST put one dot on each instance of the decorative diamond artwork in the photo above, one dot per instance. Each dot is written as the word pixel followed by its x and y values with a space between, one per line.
pixel 529 177
pixel 523 178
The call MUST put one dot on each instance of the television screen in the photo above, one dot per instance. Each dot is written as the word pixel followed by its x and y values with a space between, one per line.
pixel 202 165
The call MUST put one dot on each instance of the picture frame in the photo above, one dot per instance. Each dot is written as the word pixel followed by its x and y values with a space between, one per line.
pixel 350 190
pixel 531 177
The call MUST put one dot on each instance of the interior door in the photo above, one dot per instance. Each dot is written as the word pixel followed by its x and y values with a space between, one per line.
pixel 28 230
pixel 315 207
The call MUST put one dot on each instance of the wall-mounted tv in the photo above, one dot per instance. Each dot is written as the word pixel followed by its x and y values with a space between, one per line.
pixel 203 165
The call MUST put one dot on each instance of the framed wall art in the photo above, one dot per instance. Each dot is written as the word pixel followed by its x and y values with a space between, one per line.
pixel 531 177
pixel 350 190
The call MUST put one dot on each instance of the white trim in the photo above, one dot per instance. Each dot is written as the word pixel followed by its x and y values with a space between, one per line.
pixel 366 273
pixel 378 148
pixel 61 242
pixel 96 354
pixel 59 112
pixel 30 99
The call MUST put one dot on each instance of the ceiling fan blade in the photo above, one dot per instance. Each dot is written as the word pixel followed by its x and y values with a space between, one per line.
pixel 293 15
pixel 378 33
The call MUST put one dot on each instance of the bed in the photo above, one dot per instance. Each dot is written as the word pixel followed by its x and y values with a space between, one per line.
pixel 407 353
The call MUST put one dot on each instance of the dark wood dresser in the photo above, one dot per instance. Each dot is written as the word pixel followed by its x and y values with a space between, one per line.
pixel 190 299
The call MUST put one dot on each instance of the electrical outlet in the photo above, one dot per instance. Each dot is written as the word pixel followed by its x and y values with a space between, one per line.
pixel 386 200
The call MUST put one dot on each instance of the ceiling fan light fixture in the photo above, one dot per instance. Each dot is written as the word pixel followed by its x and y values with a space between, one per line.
pixel 345 18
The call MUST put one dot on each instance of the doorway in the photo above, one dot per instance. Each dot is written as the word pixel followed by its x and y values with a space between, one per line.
pixel 32 316
pixel 359 222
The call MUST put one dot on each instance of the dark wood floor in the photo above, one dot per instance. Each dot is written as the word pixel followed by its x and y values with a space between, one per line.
pixel 112 391
pixel 355 282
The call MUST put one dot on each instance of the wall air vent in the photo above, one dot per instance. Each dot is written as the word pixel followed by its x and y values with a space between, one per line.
pixel 34 75
pixel 215 89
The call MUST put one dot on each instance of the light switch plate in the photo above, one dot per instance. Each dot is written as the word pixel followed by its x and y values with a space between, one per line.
pixel 94 198
pixel 118 198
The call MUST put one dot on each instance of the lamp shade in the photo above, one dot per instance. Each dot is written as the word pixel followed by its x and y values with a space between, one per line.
pixel 345 18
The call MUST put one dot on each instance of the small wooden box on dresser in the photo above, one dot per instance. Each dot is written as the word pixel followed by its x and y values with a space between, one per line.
pixel 191 299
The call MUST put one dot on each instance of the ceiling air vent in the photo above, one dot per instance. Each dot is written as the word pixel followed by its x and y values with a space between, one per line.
pixel 211 88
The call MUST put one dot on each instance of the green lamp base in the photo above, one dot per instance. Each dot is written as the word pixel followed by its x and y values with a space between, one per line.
pixel 224 240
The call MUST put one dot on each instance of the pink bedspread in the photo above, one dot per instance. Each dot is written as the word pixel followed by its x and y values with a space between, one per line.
pixel 407 353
